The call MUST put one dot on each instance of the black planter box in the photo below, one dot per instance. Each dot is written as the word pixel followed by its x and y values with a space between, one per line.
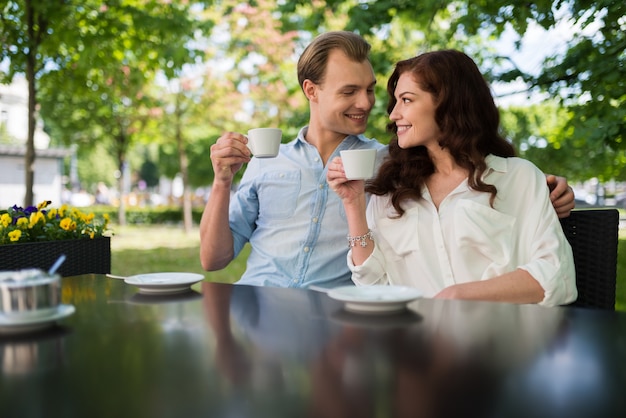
pixel 83 256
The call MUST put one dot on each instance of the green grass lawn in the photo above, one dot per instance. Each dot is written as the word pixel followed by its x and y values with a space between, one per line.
pixel 156 248
pixel 148 249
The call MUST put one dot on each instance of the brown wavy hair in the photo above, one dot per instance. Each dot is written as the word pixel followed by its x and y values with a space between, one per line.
pixel 466 115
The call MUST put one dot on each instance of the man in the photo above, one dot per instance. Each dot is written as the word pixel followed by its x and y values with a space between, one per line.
pixel 294 222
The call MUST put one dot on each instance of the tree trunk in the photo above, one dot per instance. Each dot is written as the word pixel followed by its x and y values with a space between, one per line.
pixel 29 163
pixel 121 209
pixel 184 169
pixel 121 181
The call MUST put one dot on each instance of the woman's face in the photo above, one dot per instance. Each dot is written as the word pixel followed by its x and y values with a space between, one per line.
pixel 414 114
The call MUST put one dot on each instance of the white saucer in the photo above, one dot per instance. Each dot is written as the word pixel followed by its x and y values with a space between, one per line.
pixel 375 299
pixel 16 324
pixel 164 283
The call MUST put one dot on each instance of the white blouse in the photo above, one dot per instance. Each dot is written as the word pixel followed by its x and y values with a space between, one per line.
pixel 467 240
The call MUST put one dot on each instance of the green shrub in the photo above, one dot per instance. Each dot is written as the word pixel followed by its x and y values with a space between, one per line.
pixel 149 215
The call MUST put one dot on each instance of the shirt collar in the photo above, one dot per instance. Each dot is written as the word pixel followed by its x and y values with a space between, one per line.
pixel 347 139
pixel 495 163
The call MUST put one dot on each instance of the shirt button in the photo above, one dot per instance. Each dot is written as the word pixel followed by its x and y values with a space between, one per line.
pixel 306 249
pixel 321 186
pixel 314 220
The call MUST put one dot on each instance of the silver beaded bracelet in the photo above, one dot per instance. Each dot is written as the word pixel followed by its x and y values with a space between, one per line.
pixel 352 241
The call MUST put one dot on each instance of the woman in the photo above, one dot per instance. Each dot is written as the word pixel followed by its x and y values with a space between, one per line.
pixel 453 211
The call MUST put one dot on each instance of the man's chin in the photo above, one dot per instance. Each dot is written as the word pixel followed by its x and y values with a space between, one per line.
pixel 349 128
pixel 359 129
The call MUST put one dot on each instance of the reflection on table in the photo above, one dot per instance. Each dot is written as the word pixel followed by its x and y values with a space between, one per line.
pixel 224 350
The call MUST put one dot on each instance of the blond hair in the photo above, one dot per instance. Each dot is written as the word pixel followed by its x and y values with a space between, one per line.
pixel 314 60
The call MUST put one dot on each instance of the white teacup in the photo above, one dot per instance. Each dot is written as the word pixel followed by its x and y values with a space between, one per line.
pixel 359 164
pixel 264 142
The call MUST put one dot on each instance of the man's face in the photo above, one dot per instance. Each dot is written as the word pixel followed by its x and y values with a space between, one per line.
pixel 346 97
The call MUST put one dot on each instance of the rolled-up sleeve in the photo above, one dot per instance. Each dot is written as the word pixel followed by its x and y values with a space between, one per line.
pixel 540 245
pixel 550 258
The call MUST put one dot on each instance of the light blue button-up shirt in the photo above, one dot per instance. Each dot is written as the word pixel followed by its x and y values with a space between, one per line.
pixel 295 223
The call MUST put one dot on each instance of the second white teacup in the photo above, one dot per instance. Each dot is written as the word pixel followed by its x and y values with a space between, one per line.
pixel 264 142
pixel 359 164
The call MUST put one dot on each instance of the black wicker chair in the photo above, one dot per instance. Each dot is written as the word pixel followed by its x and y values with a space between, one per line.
pixel 593 235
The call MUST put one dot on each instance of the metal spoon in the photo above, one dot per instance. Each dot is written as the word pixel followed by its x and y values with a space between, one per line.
pixel 113 276
pixel 56 264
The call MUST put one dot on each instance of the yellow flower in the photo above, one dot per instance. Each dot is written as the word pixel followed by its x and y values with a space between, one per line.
pixel 67 224
pixel 35 217
pixel 15 235
pixel 43 204
pixel 42 224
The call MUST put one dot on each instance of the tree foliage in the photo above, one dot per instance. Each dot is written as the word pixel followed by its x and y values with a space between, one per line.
pixel 100 68
pixel 248 80
pixel 27 29
pixel 100 93
pixel 588 78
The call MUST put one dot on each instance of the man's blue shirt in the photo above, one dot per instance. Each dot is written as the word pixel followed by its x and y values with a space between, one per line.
pixel 295 223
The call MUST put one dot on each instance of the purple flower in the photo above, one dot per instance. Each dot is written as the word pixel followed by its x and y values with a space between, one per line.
pixel 30 210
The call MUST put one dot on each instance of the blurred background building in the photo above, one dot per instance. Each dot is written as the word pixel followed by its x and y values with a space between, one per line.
pixel 48 183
